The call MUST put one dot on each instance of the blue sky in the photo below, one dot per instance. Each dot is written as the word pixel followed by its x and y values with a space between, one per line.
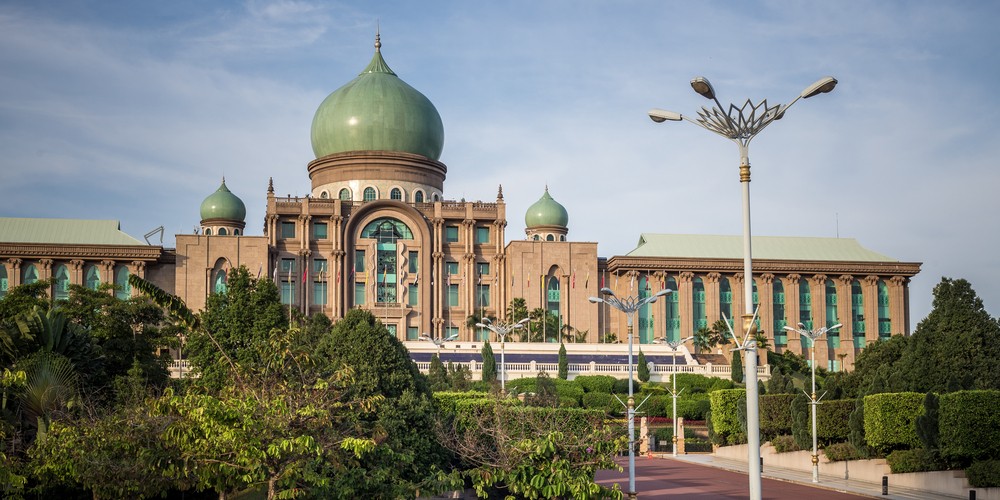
pixel 135 110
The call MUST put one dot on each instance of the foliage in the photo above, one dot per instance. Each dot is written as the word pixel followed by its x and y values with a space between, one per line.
pixel 621 386
pixel 788 362
pixel 545 392
pixel 489 363
pixel 840 452
pixel 830 418
pixel 801 422
pixel 890 420
pixel 50 386
pixel 595 383
pixel 563 362
pixel 915 460
pixel 927 424
pixel 984 474
pixel 437 374
pixel 856 429
pixel 775 415
pixel 725 415
pixel 601 401
pixel 516 311
pixel 459 377
pixel 736 365
pixel 642 367
pixel 784 444
pixel 780 383
pixel 969 426
pixel 882 355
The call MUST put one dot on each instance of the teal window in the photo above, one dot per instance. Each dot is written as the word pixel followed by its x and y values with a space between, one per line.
pixel 369 194
pixel 482 234
pixel 3 280
pixel 451 234
pixel 452 295
pixel 208 231
pixel 287 265
pixel 396 194
pixel 319 230
pixel 778 310
pixel 61 282
pixel 412 333
pixel 319 293
pixel 413 295
pixel 672 312
pixel 451 332
pixel 725 297
pixel 223 232
pixel 359 293
pixel 833 336
pixel 858 314
pixel 536 237
pixel 451 268
pixel 219 285
pixel 387 228
pixel 884 320
pixel 549 237
pixel 482 269
pixel 698 304
pixel 287 291
pixel 236 232
pixel 359 261
pixel 91 277
pixel 418 197
pixel 287 230
pixel 122 289
pixel 345 194
pixel 805 311
pixel 646 316
pixel 29 274
pixel 414 262
pixel 483 296
pixel 319 266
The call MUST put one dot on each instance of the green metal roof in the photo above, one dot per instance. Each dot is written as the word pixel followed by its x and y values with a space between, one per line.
pixel 64 232
pixel 764 247
pixel 546 212
pixel 223 204
pixel 377 111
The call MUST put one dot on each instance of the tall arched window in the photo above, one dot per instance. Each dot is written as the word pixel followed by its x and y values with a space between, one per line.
pixel 833 336
pixel 219 286
pixel 884 320
pixel 345 194
pixel 725 297
pixel 60 282
pixel 29 274
pixel 698 302
pixel 552 299
pixel 778 310
pixel 396 194
pixel 91 277
pixel 208 231
pixel 436 197
pixel 369 194
pixel 418 197
pixel 671 313
pixel 646 315
pixel 805 311
pixel 3 280
pixel 858 314
pixel 223 232
pixel 549 237
pixel 386 232
pixel 122 289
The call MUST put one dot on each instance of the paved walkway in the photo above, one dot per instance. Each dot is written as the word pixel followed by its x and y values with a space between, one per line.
pixel 699 476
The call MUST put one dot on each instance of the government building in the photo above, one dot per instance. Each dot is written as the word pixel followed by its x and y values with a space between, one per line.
pixel 378 232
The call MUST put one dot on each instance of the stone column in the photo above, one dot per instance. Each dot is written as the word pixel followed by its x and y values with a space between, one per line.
pixel 791 285
pixel 869 286
pixel 76 272
pixel 13 272
pixel 712 309
pixel 685 303
pixel 817 292
pixel 846 317
pixel 765 294
pixel 897 304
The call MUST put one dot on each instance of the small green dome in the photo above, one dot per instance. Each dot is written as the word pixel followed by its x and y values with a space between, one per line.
pixel 546 212
pixel 377 112
pixel 222 204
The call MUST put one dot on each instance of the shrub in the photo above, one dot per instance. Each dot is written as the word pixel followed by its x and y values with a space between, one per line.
pixel 916 460
pixel 596 383
pixel 784 444
pixel 600 401
pixel 801 421
pixel 725 415
pixel 775 415
pixel 831 419
pixel 621 386
pixel 890 420
pixel 697 445
pixel 969 426
pixel 839 452
pixel 693 407
pixel 984 474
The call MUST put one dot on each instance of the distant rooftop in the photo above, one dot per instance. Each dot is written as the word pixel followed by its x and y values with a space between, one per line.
pixel 764 247
pixel 64 232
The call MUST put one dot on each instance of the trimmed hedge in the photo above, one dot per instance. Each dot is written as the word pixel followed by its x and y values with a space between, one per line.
pixel 596 383
pixel 969 425
pixel 917 460
pixel 831 419
pixel 891 420
pixel 775 415
pixel 984 474
pixel 725 415
pixel 601 401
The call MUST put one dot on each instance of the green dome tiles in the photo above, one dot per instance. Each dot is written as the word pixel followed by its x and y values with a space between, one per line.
pixel 546 212
pixel 223 204
pixel 377 111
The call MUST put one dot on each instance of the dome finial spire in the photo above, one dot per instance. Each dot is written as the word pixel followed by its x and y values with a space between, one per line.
pixel 378 37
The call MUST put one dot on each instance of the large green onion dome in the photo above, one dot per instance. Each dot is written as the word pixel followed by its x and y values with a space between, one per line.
pixel 546 212
pixel 223 204
pixel 377 112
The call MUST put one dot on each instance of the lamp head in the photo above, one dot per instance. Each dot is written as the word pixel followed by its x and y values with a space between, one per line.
pixel 662 115
pixel 790 329
pixel 595 300
pixel 451 337
pixel 802 326
pixel 663 292
pixel 520 324
pixel 834 327
pixel 821 86
pixel 606 291
pixel 481 325
pixel 702 86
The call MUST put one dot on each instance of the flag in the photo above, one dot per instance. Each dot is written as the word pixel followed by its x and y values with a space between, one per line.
pixel 573 281
pixel 416 279
pixel 601 282
pixel 479 278
pixel 647 282
pixel 529 281
pixel 275 274
pixel 586 282
pixel 260 269
pixel 338 275
pixel 448 280
pixel 385 275
pixel 352 275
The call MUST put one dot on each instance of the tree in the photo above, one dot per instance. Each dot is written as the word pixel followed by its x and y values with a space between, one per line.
pixel 489 363
pixel 563 362
pixel 927 425
pixel 437 374
pixel 801 425
pixel 642 367
pixel 516 311
pixel 736 366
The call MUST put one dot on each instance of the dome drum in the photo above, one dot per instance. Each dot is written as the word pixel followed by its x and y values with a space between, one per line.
pixel 334 171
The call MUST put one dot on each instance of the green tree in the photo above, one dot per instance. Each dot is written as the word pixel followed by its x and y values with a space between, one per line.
pixel 563 362
pixel 516 311
pixel 801 424
pixel 736 366
pixel 437 374
pixel 927 425
pixel 642 367
pixel 489 363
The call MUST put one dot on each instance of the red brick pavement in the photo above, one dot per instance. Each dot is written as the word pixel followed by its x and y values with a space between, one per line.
pixel 664 478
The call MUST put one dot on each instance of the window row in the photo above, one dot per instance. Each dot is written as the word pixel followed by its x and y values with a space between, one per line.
pixel 61 279
pixel 370 193
pixel 221 232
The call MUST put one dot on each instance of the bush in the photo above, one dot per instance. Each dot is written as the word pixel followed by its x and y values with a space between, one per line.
pixel 984 474
pixel 596 383
pixel 621 386
pixel 831 419
pixel 839 452
pixel 775 415
pixel 600 401
pixel 693 407
pixel 969 426
pixel 784 444
pixel 890 420
pixel 697 445
pixel 725 415
pixel 916 460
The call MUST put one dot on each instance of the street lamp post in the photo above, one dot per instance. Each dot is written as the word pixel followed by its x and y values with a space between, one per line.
pixel 629 306
pixel 741 125
pixel 502 330
pixel 673 392
pixel 438 341
pixel 813 336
